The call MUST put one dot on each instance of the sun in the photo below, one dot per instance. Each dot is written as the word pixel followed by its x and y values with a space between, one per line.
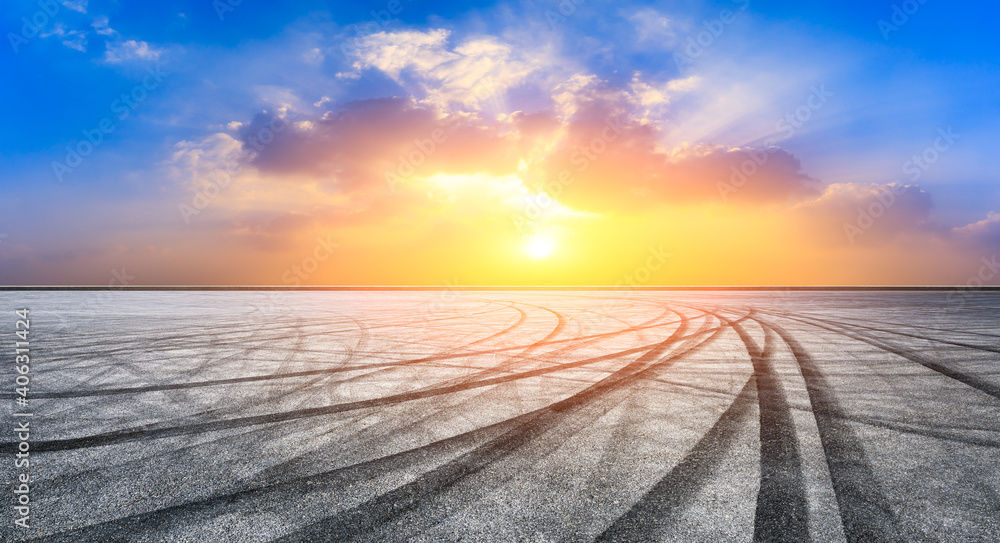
pixel 540 247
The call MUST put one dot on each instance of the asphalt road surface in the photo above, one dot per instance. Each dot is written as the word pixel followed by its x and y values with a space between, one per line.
pixel 508 416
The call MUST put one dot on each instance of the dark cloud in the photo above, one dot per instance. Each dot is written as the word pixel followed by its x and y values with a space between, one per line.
pixel 365 142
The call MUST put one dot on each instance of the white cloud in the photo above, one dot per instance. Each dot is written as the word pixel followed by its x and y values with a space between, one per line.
pixel 567 95
pixel 313 56
pixel 651 25
pixel 396 51
pixel 74 39
pixel 195 161
pixel 652 94
pixel 100 25
pixel 76 5
pixel 281 99
pixel 130 50
pixel 642 100
pixel 58 30
pixel 475 71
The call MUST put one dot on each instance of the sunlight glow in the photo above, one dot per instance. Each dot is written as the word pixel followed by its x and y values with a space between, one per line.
pixel 540 247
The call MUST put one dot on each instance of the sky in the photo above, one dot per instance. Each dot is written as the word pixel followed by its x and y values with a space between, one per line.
pixel 572 142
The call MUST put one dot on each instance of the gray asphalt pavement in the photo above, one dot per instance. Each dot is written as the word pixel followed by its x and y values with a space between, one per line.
pixel 508 416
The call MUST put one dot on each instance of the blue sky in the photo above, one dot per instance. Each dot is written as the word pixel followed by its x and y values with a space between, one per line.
pixel 891 92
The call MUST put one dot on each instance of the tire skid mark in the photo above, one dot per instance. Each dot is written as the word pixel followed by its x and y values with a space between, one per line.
pixel 183 339
pixel 906 334
pixel 482 457
pixel 573 346
pixel 376 514
pixel 338 479
pixel 522 318
pixel 141 433
pixel 675 490
pixel 387 367
pixel 501 435
pixel 561 321
pixel 910 354
pixel 926 432
pixel 338 369
pixel 782 507
pixel 420 415
pixel 865 512
pixel 921 327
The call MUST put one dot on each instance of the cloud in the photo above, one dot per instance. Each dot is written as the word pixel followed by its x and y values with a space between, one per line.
pixel 76 5
pixel 194 162
pixel 474 71
pixel 642 99
pixel 396 51
pixel 598 132
pixel 984 233
pixel 313 56
pixel 868 213
pixel 74 39
pixel 374 169
pixel 653 28
pixel 360 143
pixel 617 167
pixel 123 51
pixel 100 25
pixel 652 95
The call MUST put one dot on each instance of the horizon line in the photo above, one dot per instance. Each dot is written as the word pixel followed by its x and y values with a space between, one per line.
pixel 651 288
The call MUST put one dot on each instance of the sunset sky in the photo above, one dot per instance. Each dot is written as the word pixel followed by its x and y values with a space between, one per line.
pixel 512 143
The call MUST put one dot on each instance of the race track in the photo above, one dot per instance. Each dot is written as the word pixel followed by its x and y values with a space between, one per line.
pixel 510 416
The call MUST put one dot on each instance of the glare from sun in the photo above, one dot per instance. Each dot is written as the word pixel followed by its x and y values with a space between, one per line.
pixel 539 247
